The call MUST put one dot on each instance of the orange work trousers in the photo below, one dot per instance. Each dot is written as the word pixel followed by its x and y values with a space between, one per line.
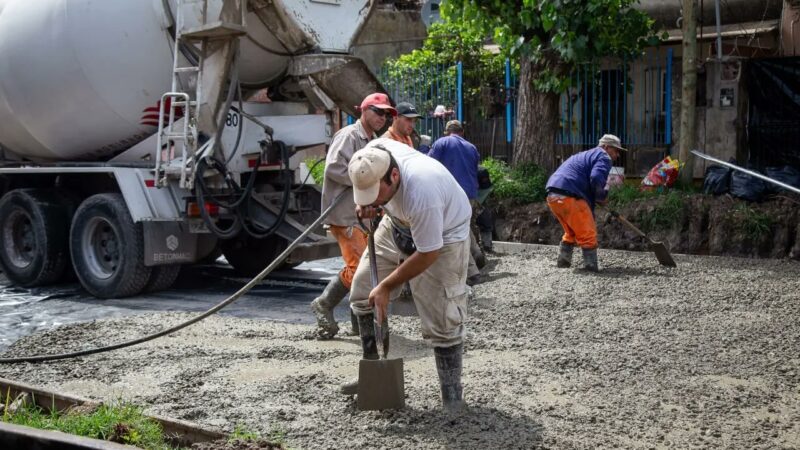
pixel 352 243
pixel 576 219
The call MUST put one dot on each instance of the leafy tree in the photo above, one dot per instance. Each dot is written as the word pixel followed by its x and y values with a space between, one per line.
pixel 550 38
pixel 447 43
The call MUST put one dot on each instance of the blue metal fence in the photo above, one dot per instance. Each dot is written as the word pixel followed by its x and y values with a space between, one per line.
pixel 630 100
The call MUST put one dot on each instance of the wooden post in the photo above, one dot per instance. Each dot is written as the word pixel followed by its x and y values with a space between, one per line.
pixel 688 134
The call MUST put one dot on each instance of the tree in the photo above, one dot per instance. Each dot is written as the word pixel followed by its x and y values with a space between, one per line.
pixel 550 38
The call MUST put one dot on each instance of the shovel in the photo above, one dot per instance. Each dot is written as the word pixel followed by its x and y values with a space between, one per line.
pixel 381 384
pixel 661 251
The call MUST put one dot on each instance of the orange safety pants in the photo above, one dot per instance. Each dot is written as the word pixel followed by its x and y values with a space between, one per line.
pixel 352 243
pixel 576 219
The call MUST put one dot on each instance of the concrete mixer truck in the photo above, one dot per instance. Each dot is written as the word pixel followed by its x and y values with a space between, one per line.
pixel 128 147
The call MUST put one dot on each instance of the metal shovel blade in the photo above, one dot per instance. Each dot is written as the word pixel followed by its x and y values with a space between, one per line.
pixel 662 254
pixel 381 384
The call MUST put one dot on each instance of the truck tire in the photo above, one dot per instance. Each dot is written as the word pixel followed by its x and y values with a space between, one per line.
pixel 33 236
pixel 249 256
pixel 107 248
pixel 162 278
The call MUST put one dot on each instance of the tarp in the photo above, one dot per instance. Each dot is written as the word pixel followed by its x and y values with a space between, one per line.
pixel 773 126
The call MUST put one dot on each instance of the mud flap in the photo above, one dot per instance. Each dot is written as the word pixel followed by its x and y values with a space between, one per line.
pixel 381 384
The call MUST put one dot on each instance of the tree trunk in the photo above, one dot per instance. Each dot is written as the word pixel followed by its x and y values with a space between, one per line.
pixel 688 134
pixel 537 121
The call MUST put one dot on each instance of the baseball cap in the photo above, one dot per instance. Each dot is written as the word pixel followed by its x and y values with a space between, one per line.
pixel 407 109
pixel 453 126
pixel 378 100
pixel 612 141
pixel 366 168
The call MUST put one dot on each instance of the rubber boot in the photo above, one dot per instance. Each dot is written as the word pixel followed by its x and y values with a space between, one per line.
pixel 476 251
pixel 323 308
pixel 368 346
pixel 448 364
pixel 353 324
pixel 564 255
pixel 590 259
pixel 486 240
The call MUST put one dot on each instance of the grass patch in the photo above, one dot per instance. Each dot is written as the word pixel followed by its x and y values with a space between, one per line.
pixel 317 169
pixel 243 434
pixel 754 224
pixel 123 423
pixel 524 183
pixel 666 212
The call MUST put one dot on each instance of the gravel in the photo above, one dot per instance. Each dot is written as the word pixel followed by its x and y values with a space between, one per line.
pixel 638 356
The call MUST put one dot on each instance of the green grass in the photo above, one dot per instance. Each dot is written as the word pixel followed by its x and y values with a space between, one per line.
pixel 524 183
pixel 666 213
pixel 317 168
pixel 123 423
pixel 754 224
pixel 243 434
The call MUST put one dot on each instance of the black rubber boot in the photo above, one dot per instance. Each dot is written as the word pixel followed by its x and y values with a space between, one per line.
pixel 353 324
pixel 590 259
pixel 368 346
pixel 564 255
pixel 323 308
pixel 448 364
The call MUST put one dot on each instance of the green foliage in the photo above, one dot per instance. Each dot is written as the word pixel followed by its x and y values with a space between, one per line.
pixel 448 42
pixel 524 183
pixel 558 35
pixel 317 169
pixel 754 224
pixel 241 433
pixel 667 212
pixel 627 193
pixel 123 423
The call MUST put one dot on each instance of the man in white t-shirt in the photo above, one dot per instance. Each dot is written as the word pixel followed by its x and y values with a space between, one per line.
pixel 425 206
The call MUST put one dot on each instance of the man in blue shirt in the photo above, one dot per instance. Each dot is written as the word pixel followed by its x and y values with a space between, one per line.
pixel 572 192
pixel 461 159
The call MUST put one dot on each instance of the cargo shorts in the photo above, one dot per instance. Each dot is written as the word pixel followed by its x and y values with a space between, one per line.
pixel 440 292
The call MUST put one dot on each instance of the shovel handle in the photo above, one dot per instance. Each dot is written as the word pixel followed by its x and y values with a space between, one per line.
pixel 627 223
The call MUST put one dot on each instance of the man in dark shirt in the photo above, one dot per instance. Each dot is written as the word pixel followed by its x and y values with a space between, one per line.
pixel 461 158
pixel 572 192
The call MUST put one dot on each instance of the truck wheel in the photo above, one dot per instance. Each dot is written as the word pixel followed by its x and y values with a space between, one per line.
pixel 249 256
pixel 161 278
pixel 107 248
pixel 33 231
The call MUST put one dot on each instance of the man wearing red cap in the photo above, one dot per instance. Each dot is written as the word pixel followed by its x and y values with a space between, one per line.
pixel 342 220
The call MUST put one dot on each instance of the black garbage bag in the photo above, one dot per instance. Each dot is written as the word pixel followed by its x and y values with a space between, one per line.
pixel 786 174
pixel 747 187
pixel 484 180
pixel 717 180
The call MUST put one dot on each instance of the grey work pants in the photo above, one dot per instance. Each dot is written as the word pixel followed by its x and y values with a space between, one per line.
pixel 440 292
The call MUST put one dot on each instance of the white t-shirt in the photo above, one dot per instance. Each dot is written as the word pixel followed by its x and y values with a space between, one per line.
pixel 429 200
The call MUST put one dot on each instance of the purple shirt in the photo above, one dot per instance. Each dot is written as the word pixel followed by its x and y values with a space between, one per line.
pixel 584 175
pixel 461 159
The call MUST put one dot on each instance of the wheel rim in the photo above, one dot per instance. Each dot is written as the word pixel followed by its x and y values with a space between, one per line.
pixel 19 238
pixel 100 244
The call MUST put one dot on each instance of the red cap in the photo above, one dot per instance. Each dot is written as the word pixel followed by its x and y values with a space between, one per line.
pixel 378 100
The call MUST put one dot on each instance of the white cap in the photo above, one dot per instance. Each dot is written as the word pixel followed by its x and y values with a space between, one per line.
pixel 612 141
pixel 366 169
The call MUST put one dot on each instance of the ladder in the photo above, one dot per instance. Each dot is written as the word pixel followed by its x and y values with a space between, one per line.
pixel 196 22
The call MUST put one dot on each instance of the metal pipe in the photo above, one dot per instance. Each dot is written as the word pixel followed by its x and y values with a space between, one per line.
pixel 749 172
pixel 719 30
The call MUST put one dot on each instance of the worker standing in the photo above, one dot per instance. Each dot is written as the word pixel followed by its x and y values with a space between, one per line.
pixel 342 220
pixel 572 192
pixel 402 128
pixel 420 197
pixel 461 158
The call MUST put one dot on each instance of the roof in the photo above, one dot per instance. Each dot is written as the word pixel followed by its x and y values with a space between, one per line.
pixel 727 31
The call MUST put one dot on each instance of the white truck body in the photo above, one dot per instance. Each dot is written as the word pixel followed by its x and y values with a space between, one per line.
pixel 81 82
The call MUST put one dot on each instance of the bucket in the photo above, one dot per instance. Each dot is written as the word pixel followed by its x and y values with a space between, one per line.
pixel 616 177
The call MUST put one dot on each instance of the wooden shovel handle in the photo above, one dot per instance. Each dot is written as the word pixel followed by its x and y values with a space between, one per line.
pixel 627 223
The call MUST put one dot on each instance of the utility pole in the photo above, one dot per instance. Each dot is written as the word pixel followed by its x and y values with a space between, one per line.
pixel 689 89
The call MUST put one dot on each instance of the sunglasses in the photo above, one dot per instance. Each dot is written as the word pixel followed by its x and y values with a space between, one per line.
pixel 378 111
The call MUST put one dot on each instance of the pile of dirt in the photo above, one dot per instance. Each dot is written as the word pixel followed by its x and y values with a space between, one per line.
pixel 705 225
pixel 637 356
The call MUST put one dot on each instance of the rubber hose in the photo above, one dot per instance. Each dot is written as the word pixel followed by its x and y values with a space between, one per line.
pixel 235 296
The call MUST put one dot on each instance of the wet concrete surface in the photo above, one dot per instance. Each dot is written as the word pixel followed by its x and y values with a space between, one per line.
pixel 284 296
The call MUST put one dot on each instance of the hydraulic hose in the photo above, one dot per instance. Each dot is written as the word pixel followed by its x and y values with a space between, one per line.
pixel 235 296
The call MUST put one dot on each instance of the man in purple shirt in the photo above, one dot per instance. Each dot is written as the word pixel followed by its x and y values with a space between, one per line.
pixel 461 159
pixel 572 192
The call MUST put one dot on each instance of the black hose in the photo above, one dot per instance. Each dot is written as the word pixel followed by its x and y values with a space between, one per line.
pixel 235 296
pixel 287 190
